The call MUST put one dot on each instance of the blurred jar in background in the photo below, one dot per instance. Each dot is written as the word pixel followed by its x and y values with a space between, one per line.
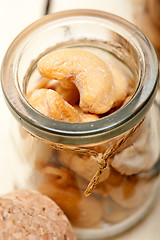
pixel 146 16
pixel 143 13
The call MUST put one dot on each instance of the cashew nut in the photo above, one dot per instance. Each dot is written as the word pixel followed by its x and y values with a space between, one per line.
pixel 84 165
pixel 99 191
pixel 86 117
pixel 68 91
pixel 81 211
pixel 130 192
pixel 62 176
pixel 38 100
pixel 136 157
pixel 88 213
pixel 89 73
pixel 126 100
pixel 123 85
pixel 114 179
pixel 51 104
pixel 113 212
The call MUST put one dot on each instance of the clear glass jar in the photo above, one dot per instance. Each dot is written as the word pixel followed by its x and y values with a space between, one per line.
pixel 60 158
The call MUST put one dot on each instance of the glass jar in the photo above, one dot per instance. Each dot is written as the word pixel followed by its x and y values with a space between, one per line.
pixel 118 154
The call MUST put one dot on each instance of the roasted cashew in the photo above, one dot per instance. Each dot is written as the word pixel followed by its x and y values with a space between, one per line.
pixel 86 117
pixel 123 85
pixel 114 179
pixel 84 165
pixel 130 191
pixel 130 194
pixel 135 157
pixel 126 100
pixel 60 109
pixel 113 212
pixel 42 83
pixel 88 213
pixel 51 104
pixel 38 100
pixel 99 191
pixel 81 211
pixel 61 176
pixel 68 92
pixel 89 73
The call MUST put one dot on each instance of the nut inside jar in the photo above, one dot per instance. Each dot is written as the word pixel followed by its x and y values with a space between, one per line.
pixel 83 85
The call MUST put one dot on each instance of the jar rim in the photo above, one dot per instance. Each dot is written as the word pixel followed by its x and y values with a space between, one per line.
pixel 91 132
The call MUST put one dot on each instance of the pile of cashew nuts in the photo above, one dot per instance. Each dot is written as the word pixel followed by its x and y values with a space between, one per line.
pixel 77 86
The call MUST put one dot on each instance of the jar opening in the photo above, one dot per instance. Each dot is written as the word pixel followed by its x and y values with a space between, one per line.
pixel 117 36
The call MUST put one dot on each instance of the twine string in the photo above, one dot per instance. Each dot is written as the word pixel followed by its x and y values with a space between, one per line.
pixel 104 163
pixel 101 158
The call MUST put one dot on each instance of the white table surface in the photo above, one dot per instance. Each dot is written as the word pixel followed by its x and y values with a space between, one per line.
pixel 14 17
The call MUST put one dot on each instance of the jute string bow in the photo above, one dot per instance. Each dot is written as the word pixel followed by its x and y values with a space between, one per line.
pixel 101 158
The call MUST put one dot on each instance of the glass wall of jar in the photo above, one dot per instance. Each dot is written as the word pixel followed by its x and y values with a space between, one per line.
pixel 102 173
